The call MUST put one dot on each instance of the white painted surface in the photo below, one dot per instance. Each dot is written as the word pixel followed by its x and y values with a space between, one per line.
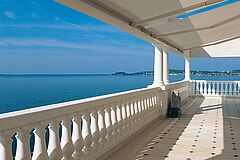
pixel 187 69
pixel 165 66
pixel 158 67
pixel 98 124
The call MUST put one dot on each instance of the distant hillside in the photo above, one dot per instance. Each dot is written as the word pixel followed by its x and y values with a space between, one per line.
pixel 181 72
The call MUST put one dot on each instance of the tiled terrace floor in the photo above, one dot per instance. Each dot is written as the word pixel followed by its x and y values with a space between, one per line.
pixel 208 130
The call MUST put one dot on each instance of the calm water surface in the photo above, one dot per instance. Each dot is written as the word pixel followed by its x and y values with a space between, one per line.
pixel 21 92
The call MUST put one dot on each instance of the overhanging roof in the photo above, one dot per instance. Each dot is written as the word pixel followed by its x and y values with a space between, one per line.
pixel 155 21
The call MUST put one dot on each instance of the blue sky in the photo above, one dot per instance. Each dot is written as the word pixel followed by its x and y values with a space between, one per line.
pixel 42 36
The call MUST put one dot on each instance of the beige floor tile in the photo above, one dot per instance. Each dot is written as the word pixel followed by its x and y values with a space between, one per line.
pixel 207 130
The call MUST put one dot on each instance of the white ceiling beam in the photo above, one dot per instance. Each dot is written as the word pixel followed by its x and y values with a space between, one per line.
pixel 162 22
pixel 202 28
pixel 179 11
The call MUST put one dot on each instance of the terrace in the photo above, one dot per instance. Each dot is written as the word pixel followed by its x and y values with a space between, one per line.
pixel 133 124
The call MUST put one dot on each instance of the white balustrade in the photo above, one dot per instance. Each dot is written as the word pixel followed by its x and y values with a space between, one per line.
pixel 215 88
pixel 82 129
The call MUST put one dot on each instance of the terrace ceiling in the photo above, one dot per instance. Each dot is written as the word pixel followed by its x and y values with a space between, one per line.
pixel 158 22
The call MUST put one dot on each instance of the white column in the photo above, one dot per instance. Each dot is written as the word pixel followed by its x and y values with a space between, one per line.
pixel 158 67
pixel 187 69
pixel 165 66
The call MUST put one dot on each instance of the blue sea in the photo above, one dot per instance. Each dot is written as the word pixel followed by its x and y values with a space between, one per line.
pixel 26 91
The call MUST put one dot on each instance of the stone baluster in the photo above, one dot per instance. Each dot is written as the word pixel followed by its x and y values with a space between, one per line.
pixel 154 104
pixel 150 107
pixel 209 88
pixel 95 129
pixel 196 88
pixel 220 88
pixel 192 88
pixel 213 88
pixel 5 146
pixel 114 121
pixel 140 109
pixel 77 138
pixel 230 88
pixel 205 88
pixel 235 89
pixel 201 87
pixel 120 118
pixel 133 111
pixel 23 150
pixel 66 140
pixel 86 132
pixel 225 88
pixel 155 111
pixel 131 103
pixel 145 108
pixel 137 113
pixel 54 149
pixel 217 88
pixel 109 124
pixel 128 116
pixel 40 151
pixel 102 126
pixel 124 114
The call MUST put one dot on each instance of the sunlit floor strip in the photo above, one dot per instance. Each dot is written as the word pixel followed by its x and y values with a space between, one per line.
pixel 209 130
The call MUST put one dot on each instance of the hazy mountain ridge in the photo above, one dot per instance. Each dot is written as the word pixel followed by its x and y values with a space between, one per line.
pixel 235 72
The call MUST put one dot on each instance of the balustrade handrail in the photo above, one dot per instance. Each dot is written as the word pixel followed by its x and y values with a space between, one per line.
pixel 177 85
